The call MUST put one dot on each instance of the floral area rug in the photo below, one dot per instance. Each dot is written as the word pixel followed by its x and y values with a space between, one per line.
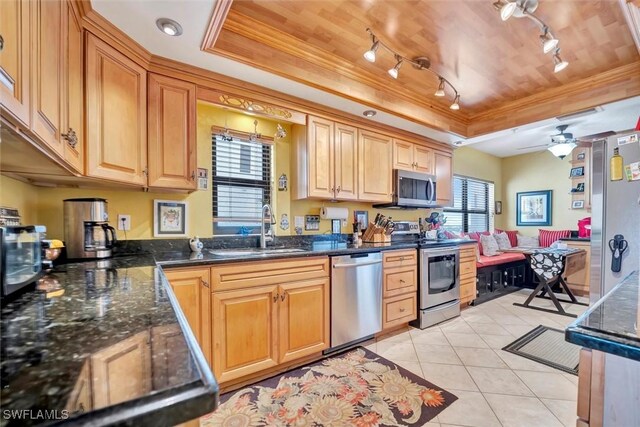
pixel 357 388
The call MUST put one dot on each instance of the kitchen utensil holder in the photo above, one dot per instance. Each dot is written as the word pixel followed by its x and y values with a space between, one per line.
pixel 375 234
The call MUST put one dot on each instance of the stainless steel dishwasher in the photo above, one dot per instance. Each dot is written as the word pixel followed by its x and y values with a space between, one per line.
pixel 356 297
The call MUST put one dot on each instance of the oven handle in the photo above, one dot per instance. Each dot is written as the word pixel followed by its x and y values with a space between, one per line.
pixel 438 251
pixel 356 264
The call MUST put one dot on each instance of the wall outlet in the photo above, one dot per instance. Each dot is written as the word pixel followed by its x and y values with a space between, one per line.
pixel 124 222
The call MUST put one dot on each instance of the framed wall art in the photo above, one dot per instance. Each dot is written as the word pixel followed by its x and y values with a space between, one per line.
pixel 169 218
pixel 577 204
pixel 579 171
pixel 533 208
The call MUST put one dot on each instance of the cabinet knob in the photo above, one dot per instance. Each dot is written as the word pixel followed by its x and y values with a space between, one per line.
pixel 145 171
pixel 71 137
pixel 338 189
pixel 282 297
pixel 193 176
pixel 1 43
pixel 402 281
pixel 275 298
pixel 402 310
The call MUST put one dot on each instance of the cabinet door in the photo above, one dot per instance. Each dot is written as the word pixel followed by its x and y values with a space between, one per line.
pixel 47 68
pixel 191 288
pixel 303 319
pixel 15 61
pixel 423 157
pixel 116 102
pixel 80 399
pixel 121 372
pixel 444 179
pixel 172 133
pixel 403 155
pixel 244 324
pixel 73 101
pixel 346 167
pixel 374 163
pixel 320 157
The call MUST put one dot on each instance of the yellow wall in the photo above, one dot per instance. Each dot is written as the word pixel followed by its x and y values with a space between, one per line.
pixel 477 164
pixel 539 171
pixel 17 194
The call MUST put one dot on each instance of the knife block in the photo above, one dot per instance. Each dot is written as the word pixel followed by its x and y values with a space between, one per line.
pixel 375 234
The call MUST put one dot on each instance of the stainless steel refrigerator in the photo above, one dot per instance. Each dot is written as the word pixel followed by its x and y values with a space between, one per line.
pixel 615 211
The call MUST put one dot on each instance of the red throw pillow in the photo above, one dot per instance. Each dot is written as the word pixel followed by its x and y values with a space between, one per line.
pixel 451 235
pixel 548 237
pixel 512 234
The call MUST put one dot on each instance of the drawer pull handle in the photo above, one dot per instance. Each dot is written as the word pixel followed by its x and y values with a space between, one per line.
pixel 205 283
pixel 283 296
pixel 402 310
pixel 402 281
pixel 275 298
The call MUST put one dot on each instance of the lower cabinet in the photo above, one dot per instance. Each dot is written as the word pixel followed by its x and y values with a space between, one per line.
pixel 578 268
pixel 468 273
pixel 399 287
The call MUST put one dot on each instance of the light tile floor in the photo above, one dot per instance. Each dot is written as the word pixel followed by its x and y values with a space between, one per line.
pixel 494 387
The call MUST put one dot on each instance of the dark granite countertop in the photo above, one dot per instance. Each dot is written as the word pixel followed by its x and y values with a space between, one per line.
pixel 612 324
pixel 49 341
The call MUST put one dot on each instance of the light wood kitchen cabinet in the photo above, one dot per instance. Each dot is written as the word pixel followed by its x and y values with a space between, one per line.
pixel 468 273
pixel 81 396
pixel 73 83
pixel 122 371
pixel 399 287
pixel 245 330
pixel 191 286
pixel 374 167
pixel 578 267
pixel 443 167
pixel 345 162
pixel 172 133
pixel 116 108
pixel 268 313
pixel 412 157
pixel 15 29
pixel 47 62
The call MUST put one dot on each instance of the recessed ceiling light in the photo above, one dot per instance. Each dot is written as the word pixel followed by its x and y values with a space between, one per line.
pixel 169 26
pixel 369 113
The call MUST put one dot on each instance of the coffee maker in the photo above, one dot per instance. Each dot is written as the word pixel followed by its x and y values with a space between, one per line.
pixel 87 232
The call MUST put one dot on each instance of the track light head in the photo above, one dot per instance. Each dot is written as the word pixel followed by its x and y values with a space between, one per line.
pixel 393 72
pixel 507 9
pixel 558 63
pixel 370 55
pixel 440 91
pixel 456 103
pixel 549 42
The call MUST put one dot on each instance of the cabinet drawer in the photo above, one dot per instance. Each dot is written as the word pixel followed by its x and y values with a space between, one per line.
pixel 398 281
pixel 249 274
pixel 467 276
pixel 467 268
pixel 468 251
pixel 468 290
pixel 403 258
pixel 575 263
pixel 398 310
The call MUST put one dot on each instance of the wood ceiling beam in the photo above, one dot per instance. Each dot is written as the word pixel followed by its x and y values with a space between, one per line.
pixel 610 86
pixel 218 17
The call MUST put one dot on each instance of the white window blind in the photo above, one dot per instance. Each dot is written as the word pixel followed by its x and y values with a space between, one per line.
pixel 242 183
pixel 472 209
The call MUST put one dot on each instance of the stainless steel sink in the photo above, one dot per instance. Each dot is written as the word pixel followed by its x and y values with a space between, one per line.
pixel 252 252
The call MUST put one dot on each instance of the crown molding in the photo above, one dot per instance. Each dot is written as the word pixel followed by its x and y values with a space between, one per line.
pixel 218 16
pixel 631 12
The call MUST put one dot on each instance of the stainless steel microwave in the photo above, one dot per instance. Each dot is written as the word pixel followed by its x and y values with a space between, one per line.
pixel 412 190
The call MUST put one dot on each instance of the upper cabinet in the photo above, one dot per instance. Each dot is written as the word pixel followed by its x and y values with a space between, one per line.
pixel 374 167
pixel 412 157
pixel 15 60
pixel 346 162
pixel 116 109
pixel 47 85
pixel 172 133
pixel 443 165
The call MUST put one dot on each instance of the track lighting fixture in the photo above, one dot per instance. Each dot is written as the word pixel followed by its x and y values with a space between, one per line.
pixel 559 64
pixel 393 72
pixel 525 8
pixel 440 91
pixel 421 63
pixel 370 55
pixel 456 103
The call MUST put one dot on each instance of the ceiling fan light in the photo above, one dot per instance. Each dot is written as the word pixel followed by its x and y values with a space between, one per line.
pixel 562 149
pixel 507 10
pixel 456 103
pixel 440 91
pixel 559 64
pixel 393 72
pixel 370 55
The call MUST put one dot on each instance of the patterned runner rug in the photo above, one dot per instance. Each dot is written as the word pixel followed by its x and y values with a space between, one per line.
pixel 356 388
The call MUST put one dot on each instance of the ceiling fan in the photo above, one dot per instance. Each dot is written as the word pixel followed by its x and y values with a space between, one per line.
pixel 563 143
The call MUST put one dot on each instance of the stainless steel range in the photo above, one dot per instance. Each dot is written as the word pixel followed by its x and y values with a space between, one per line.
pixel 439 290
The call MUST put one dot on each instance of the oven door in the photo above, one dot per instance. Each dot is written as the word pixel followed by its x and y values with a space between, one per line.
pixel 414 189
pixel 439 277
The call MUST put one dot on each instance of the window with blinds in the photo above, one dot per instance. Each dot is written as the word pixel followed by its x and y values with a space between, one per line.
pixel 241 176
pixel 473 202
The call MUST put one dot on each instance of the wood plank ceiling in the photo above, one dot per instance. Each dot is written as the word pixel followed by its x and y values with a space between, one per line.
pixel 496 66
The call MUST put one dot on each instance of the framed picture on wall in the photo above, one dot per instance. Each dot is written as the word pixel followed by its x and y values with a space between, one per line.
pixel 169 218
pixel 579 171
pixel 533 208
pixel 362 218
pixel 577 204
pixel 498 207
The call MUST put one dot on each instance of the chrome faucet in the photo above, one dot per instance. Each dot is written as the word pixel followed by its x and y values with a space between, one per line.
pixel 263 237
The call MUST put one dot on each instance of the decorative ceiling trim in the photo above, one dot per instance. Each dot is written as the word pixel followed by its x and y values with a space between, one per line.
pixel 613 85
pixel 255 30
pixel 218 16
pixel 631 12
